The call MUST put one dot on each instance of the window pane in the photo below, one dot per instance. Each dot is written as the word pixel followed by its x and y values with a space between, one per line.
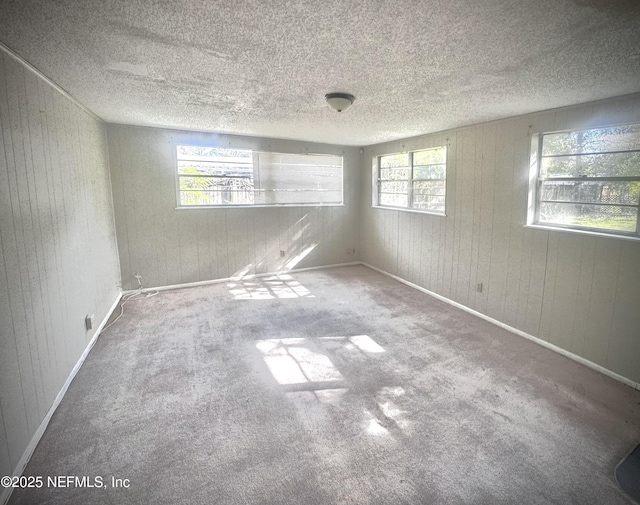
pixel 199 153
pixel 617 138
pixel 394 200
pixel 216 183
pixel 433 203
pixel 394 160
pixel 394 187
pixel 214 168
pixel 430 156
pixel 216 197
pixel 598 217
pixel 591 191
pixel 592 165
pixel 215 190
pixel 429 172
pixel 227 176
pixel 429 187
pixel 394 174
pixel 196 198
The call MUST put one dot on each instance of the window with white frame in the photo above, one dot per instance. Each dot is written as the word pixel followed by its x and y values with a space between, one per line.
pixel 587 180
pixel 414 180
pixel 215 176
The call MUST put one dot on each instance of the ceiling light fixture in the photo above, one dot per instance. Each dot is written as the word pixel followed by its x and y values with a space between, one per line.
pixel 339 101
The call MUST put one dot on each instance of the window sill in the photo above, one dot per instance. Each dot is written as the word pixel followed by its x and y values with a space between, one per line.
pixel 414 211
pixel 633 238
pixel 270 206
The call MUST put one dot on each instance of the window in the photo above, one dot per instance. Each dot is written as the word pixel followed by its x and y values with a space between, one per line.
pixel 587 180
pixel 214 176
pixel 414 180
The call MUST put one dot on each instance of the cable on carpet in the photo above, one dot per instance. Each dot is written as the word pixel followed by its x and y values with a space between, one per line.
pixel 131 296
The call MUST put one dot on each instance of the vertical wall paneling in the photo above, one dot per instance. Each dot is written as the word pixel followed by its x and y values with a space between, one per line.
pixel 446 227
pixel 119 209
pixel 13 386
pixel 549 285
pixel 518 195
pixel 27 347
pixel 54 233
pixel 478 171
pixel 498 269
pixel 487 169
pixel 36 179
pixel 57 241
pixel 465 225
pixel 578 292
pixel 606 274
pixel 567 278
pixel 583 295
pixel 625 332
pixel 536 287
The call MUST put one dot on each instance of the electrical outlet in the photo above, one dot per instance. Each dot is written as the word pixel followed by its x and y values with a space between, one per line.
pixel 479 287
pixel 282 253
pixel 88 322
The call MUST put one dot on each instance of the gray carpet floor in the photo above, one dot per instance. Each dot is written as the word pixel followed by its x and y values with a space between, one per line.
pixel 338 386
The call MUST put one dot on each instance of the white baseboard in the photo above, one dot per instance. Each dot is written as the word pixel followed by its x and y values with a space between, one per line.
pixel 543 343
pixel 239 278
pixel 28 452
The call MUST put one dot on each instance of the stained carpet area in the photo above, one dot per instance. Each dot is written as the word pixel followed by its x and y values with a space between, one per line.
pixel 334 386
pixel 628 474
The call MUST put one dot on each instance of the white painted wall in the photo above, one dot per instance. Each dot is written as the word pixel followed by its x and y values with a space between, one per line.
pixel 578 292
pixel 57 241
pixel 169 246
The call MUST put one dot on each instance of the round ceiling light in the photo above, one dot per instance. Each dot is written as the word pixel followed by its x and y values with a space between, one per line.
pixel 339 101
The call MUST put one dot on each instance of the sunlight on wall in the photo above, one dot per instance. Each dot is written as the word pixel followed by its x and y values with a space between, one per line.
pixel 297 245
pixel 298 258
pixel 240 274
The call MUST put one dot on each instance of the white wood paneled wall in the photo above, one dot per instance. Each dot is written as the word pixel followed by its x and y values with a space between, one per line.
pixel 578 292
pixel 169 246
pixel 57 241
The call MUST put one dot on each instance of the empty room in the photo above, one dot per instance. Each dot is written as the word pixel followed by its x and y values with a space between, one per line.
pixel 296 252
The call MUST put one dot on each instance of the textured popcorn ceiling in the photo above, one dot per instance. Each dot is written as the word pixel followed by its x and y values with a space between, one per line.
pixel 263 67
